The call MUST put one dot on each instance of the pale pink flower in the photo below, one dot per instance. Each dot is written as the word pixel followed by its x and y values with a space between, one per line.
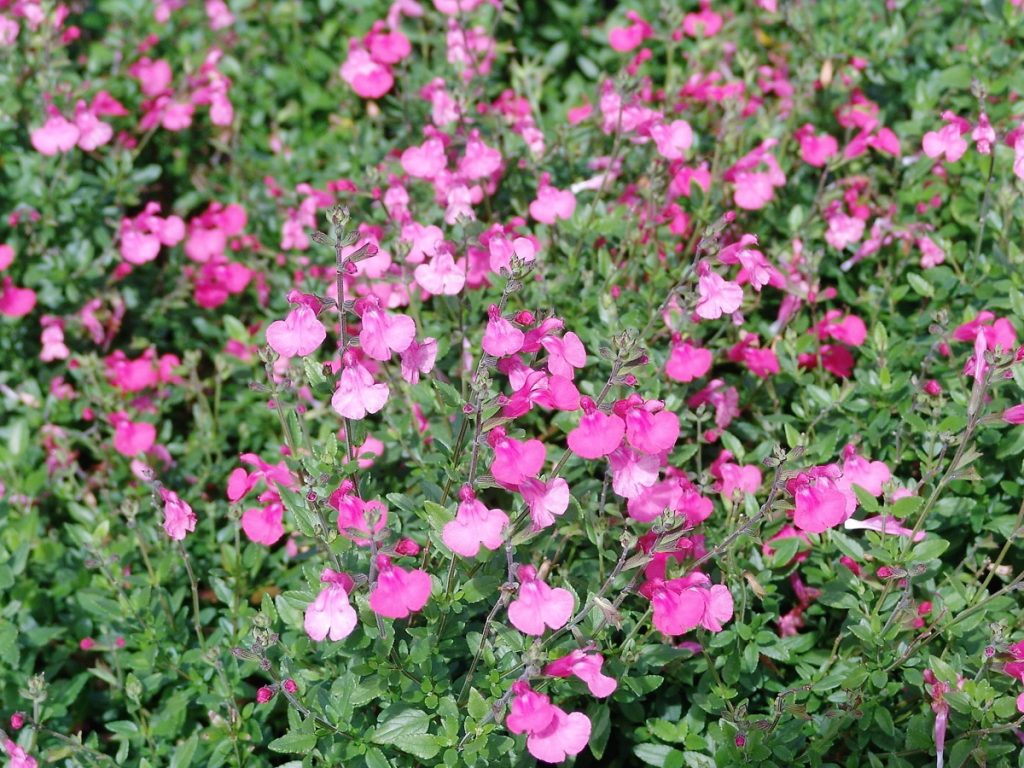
pixel 474 525
pixel 501 338
pixel 425 161
pixel 383 333
pixel 946 142
pixel 553 735
pixel 357 393
pixel 418 359
pixel 57 134
pixel 565 354
pixel 441 276
pixel 480 161
pixel 299 334
pixel 331 614
pixel 537 605
pixel 672 139
pixel 717 296
pixel 179 519
pixel 368 78
pixel 552 204
pixel 546 500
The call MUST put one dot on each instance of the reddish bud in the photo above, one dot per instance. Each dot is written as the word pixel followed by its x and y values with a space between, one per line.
pixel 932 387
pixel 525 317
pixel 264 694
pixel 86 643
pixel 17 720
pixel 407 547
pixel 1014 415
pixel 290 686
pixel 741 740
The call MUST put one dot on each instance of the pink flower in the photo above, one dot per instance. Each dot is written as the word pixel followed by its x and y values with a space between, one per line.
pixel 687 362
pixel 649 428
pixel 480 160
pixel 398 592
pixel 538 605
pixel 418 359
pixel 672 139
pixel 383 333
pixel 552 204
pixel 358 520
pixel 264 694
pixel 632 472
pixel 945 142
pixel 264 525
pixel 717 296
pixel 132 437
pixel 931 254
pixel 441 276
pixel 546 500
pixel 19 758
pixel 820 502
pixel 1014 414
pixel 816 150
pixel 598 434
pixel 57 134
pixel 869 475
pixel 514 460
pixel 92 132
pixel 14 301
pixel 625 39
pixel 501 338
pixel 587 667
pixel 683 604
pixel 331 614
pixel 564 354
pixel 299 334
pixel 843 231
pixel 179 518
pixel 6 256
pixel 553 735
pixel 368 78
pixel 425 161
pixel 357 393
pixel 474 525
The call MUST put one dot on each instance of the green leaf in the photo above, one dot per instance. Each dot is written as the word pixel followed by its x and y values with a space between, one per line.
pixel 407 730
pixel 182 757
pixel 477 705
pixel 929 549
pixel 921 286
pixel 294 743
pixel 376 759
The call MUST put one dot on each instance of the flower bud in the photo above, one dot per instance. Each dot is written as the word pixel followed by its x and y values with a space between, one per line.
pixel 264 694
pixel 17 720
pixel 290 686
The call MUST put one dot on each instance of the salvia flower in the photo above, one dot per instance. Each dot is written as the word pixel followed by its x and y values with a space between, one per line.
pixel 474 526
pixel 398 592
pixel 552 734
pixel 587 667
pixel 331 614
pixel 179 519
pixel 537 605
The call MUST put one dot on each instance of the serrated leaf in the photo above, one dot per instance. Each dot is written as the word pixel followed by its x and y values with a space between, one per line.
pixel 294 743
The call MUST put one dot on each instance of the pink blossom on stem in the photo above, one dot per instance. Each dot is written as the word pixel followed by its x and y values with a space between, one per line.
pixel 546 500
pixel 398 592
pixel 552 735
pixel 179 519
pixel 357 394
pixel 501 338
pixel 331 614
pixel 587 667
pixel 474 525
pixel 717 296
pixel 597 434
pixel 299 334
pixel 687 362
pixel 537 605
pixel 418 358
pixel 383 333
pixel 515 460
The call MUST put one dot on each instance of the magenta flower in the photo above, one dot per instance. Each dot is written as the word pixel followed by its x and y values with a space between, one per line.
pixel 869 475
pixel 632 472
pixel 672 139
pixel 501 337
pixel 1014 414
pixel 820 502
pixel 515 460
pixel 946 142
pixel 687 362
pixel 474 525
pixel 19 758
pixel 370 79
pixel 649 428
pixel 264 525
pixel 552 204
pixel 480 161
pixel 398 592
pixel 681 605
pixel 358 520
pixel 553 735
pixel 131 437
pixel 598 434
pixel 299 334
pixel 565 354
pixel 14 301
pixel 587 667
pixel 331 614
pixel 538 605
pixel 179 519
